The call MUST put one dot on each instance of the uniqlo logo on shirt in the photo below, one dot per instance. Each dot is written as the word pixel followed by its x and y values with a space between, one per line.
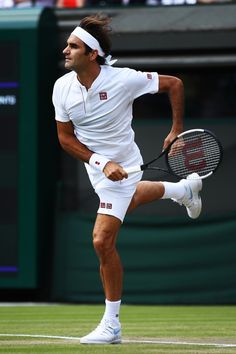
pixel 109 206
pixel 149 76
pixel 102 205
pixel 103 95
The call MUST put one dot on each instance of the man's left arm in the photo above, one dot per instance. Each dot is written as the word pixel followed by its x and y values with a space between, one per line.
pixel 174 87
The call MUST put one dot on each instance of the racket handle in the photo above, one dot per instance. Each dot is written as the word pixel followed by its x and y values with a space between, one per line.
pixel 132 169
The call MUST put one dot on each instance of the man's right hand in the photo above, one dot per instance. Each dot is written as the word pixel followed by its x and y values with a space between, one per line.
pixel 114 171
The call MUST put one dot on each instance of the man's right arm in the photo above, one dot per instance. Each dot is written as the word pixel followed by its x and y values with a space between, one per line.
pixel 75 148
pixel 69 142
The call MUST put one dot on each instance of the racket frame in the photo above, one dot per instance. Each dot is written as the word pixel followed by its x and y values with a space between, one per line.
pixel 146 166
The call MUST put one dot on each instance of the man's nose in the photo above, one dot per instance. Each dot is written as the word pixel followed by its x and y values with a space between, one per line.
pixel 65 50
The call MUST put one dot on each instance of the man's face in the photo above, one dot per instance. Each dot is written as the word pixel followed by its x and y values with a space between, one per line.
pixel 75 57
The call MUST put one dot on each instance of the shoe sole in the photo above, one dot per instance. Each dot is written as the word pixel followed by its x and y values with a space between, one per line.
pixel 195 191
pixel 197 195
pixel 199 210
pixel 117 341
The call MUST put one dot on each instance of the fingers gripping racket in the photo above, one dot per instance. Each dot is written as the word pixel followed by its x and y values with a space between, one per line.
pixel 195 150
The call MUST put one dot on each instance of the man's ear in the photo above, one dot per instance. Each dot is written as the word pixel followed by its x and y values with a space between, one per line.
pixel 93 55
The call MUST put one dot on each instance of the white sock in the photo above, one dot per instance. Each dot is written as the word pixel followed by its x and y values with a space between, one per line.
pixel 112 311
pixel 173 190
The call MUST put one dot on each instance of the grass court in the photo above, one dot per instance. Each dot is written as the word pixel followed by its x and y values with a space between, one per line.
pixel 57 328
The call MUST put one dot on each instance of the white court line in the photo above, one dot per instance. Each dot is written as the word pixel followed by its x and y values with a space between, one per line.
pixel 126 341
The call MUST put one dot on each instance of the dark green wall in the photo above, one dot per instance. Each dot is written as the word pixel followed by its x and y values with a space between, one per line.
pixel 166 261
pixel 33 32
pixel 167 257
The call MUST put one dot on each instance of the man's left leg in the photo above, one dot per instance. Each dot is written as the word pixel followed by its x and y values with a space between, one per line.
pixel 185 192
pixel 105 233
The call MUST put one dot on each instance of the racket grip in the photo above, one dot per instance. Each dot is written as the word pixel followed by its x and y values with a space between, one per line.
pixel 132 169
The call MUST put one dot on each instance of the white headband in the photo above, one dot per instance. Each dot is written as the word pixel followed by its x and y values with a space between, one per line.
pixel 92 42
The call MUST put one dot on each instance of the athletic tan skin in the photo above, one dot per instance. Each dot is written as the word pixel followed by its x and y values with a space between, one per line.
pixel 107 227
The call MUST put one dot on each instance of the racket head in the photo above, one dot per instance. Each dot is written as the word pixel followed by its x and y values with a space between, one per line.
pixel 195 150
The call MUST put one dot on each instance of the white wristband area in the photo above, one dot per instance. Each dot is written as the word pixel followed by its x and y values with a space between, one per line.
pixel 98 161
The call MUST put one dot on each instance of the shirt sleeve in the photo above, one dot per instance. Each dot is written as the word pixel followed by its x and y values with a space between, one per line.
pixel 140 83
pixel 60 113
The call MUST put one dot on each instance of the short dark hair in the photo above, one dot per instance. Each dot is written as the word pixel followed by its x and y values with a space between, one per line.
pixel 99 27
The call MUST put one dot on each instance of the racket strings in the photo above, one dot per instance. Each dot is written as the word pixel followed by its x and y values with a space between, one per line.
pixel 194 152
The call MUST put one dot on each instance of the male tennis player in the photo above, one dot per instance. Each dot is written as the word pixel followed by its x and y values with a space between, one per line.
pixel 93 108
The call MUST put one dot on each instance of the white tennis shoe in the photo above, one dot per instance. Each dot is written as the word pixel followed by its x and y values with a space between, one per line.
pixel 105 333
pixel 191 199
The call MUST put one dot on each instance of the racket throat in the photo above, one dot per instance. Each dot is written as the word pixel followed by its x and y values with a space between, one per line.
pixel 144 166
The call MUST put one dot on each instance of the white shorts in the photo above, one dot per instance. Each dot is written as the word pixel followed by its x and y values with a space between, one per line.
pixel 115 197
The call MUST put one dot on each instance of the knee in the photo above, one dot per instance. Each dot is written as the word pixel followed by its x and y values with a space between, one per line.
pixel 103 242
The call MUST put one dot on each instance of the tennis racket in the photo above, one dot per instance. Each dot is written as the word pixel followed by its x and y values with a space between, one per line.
pixel 195 150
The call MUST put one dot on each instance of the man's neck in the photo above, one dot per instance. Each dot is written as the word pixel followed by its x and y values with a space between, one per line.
pixel 87 77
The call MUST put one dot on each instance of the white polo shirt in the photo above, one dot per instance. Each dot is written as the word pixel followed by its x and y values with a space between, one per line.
pixel 102 115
